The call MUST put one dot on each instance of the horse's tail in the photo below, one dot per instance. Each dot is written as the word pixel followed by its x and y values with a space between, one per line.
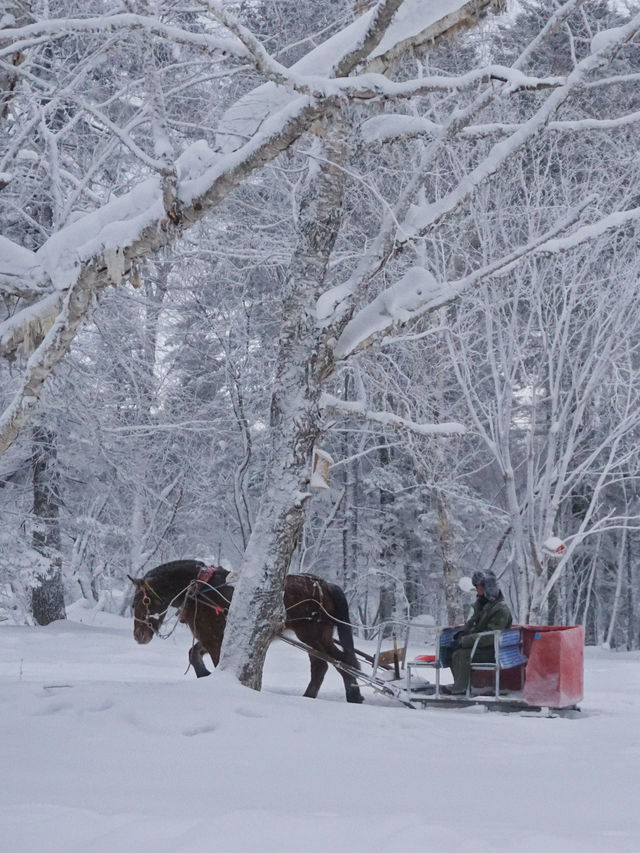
pixel 343 624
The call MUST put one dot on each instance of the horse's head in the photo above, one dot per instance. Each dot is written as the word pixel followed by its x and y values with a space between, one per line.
pixel 145 607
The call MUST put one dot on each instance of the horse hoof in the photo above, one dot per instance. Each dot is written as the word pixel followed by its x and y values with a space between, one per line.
pixel 202 674
pixel 355 696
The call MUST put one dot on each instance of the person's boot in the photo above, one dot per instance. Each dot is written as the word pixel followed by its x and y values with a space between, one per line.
pixel 453 690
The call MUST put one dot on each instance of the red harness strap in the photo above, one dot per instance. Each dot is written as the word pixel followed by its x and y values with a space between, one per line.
pixel 205 575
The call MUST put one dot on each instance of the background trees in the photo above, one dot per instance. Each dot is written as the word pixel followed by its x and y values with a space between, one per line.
pixel 448 249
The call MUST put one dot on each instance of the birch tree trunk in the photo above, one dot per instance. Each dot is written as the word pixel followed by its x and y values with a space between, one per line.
pixel 618 593
pixel 19 13
pixel 305 359
pixel 450 574
pixel 47 598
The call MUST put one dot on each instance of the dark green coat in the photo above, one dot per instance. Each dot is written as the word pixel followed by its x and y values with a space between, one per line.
pixel 486 616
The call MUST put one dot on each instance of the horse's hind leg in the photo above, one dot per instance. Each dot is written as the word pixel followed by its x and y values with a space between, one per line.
pixel 351 688
pixel 196 661
pixel 350 681
pixel 318 671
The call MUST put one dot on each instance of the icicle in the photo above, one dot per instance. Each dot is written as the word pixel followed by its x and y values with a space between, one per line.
pixel 34 330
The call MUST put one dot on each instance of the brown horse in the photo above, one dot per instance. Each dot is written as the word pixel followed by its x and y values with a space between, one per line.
pixel 313 608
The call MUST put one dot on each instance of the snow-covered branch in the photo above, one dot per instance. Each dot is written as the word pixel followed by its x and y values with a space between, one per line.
pixel 590 232
pixel 78 260
pixel 392 127
pixel 100 248
pixel 17 39
pixel 266 64
pixel 365 43
pixel 377 86
pixel 418 292
pixel 358 410
pixel 424 217
pixel 370 85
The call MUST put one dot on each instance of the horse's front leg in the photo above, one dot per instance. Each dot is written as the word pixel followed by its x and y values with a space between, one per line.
pixel 195 659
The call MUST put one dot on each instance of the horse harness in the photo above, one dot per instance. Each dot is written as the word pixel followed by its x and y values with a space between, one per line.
pixel 199 588
pixel 316 615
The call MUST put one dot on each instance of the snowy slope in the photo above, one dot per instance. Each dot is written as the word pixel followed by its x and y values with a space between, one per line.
pixel 107 746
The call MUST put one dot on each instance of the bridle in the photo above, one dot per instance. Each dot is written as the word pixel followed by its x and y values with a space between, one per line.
pixel 196 591
pixel 146 588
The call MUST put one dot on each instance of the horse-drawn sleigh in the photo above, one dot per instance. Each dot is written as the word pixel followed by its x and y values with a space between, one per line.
pixel 535 668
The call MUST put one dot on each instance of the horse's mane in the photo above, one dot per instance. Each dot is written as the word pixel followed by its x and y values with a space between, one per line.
pixel 171 579
pixel 166 571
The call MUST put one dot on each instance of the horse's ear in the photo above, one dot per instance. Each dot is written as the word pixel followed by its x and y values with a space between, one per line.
pixel 136 581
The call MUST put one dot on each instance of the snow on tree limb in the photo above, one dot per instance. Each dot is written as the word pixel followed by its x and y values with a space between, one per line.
pixel 118 213
pixel 337 301
pixel 72 265
pixel 137 223
pixel 20 272
pixel 564 126
pixel 372 84
pixel 417 292
pixel 359 410
pixel 424 217
pixel 377 86
pixel 395 305
pixel 591 231
pixel 55 344
pixel 391 127
pixel 418 24
pixel 365 42
pixel 16 39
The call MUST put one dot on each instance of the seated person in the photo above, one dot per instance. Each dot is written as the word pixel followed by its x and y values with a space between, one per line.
pixel 490 613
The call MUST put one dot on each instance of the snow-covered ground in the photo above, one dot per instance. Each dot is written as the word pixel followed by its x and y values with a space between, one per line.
pixel 107 746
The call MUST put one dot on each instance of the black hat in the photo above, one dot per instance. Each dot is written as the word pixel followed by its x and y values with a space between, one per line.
pixel 478 578
pixel 491 590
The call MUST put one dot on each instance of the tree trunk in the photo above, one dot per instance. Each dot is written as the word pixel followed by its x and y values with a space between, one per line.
pixel 20 12
pixel 350 518
pixel 305 359
pixel 47 598
pixel 386 608
pixel 618 593
pixel 450 577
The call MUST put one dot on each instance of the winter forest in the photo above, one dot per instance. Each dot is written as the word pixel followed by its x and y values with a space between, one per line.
pixel 346 287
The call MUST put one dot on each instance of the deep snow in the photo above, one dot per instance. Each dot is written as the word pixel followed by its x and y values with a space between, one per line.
pixel 108 746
